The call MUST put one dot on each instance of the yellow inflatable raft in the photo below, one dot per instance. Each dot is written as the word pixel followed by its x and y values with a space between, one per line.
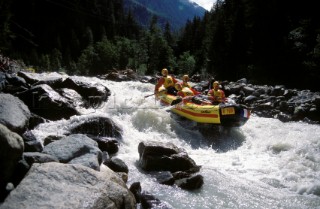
pixel 225 114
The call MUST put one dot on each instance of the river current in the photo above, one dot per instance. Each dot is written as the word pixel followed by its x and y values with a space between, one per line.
pixel 264 164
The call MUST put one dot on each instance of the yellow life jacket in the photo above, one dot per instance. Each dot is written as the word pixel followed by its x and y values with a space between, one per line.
pixel 218 94
pixel 187 91
pixel 168 81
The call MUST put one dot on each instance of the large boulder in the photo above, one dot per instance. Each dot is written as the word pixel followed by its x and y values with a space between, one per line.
pixel 98 127
pixel 56 185
pixel 76 149
pixel 52 79
pixel 14 114
pixel 86 90
pixel 157 156
pixel 46 102
pixel 11 149
pixel 121 75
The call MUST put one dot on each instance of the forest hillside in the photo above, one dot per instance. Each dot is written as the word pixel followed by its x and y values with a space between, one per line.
pixel 268 42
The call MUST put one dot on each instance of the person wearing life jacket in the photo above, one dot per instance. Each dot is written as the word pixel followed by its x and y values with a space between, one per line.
pixel 168 81
pixel 183 91
pixel 185 79
pixel 216 94
pixel 184 94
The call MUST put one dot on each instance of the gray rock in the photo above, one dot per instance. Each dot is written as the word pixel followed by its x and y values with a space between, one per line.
pixel 117 165
pixel 37 157
pixel 14 114
pixel 46 102
pixel 11 149
pixel 157 156
pixel 56 185
pixel 191 183
pixel 76 148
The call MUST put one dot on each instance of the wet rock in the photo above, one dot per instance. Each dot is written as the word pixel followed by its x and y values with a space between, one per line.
pixel 121 75
pixel 191 183
pixel 77 149
pixel 157 156
pixel 117 165
pixel 148 201
pixel 135 188
pixel 99 127
pixel 37 157
pixel 45 102
pixel 30 78
pixel 86 90
pixel 31 143
pixel 35 120
pixel 165 177
pixel 56 185
pixel 11 149
pixel 14 114
pixel 52 138
pixel 109 145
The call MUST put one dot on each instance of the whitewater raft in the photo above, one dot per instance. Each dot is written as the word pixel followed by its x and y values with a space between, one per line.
pixel 224 114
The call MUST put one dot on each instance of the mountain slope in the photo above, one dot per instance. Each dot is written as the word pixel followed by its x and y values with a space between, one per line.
pixel 176 12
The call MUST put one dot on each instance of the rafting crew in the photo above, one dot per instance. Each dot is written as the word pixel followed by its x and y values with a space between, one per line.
pixel 186 93
pixel 214 96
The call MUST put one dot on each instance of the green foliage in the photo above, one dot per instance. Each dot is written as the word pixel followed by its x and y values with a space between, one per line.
pixel 86 59
pixel 160 54
pixel 267 41
pixel 104 56
pixel 98 59
pixel 125 51
pixel 5 32
pixel 56 60
pixel 186 63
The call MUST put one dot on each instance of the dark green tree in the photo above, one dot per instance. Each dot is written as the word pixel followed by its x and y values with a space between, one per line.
pixel 6 35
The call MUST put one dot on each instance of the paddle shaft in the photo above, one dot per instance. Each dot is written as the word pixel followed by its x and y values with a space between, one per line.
pixel 149 95
pixel 154 94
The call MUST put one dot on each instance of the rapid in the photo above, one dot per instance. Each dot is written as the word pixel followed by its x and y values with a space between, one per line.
pixel 264 164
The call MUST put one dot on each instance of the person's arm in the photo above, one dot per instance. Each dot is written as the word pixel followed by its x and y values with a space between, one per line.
pixel 158 85
pixel 174 79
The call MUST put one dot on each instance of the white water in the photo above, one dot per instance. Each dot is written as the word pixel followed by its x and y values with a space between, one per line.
pixel 263 164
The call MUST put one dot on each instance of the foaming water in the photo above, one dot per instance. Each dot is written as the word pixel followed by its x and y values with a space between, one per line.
pixel 263 164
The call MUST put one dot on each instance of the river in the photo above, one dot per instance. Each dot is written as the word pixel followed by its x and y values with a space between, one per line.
pixel 264 164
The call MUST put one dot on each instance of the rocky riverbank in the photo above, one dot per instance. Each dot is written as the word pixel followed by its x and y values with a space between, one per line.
pixel 80 169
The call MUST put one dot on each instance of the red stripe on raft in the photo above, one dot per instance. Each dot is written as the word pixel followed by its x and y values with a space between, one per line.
pixel 198 114
pixel 165 103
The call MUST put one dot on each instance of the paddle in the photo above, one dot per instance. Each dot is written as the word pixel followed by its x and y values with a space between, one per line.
pixel 155 93
pixel 179 100
pixel 149 95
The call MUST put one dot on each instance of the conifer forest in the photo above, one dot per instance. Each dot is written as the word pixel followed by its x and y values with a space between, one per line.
pixel 268 42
